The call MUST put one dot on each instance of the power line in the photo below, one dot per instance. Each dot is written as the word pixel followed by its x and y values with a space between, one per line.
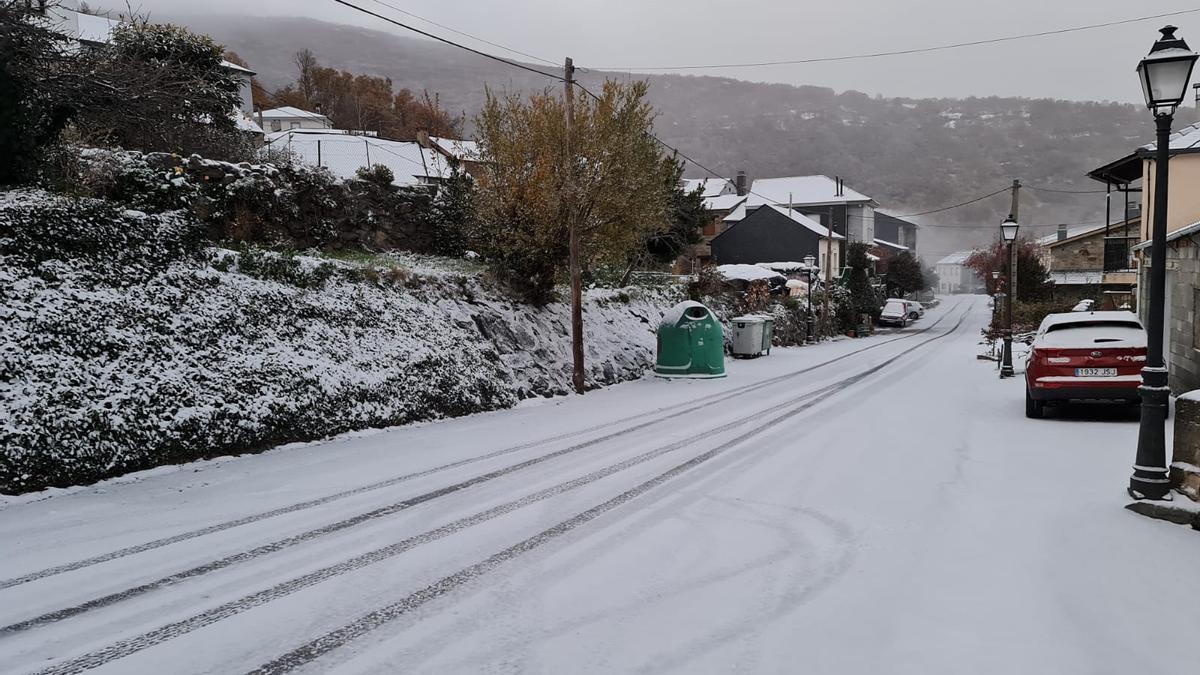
pixel 467 35
pixel 918 50
pixel 955 206
pixel 1065 192
pixel 452 43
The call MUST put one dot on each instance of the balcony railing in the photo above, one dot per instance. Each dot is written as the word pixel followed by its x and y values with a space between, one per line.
pixel 1117 253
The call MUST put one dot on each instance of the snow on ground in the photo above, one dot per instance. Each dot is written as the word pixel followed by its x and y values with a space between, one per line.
pixel 862 506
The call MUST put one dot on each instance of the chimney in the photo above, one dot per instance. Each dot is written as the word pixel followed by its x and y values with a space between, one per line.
pixel 423 138
pixel 739 183
pixel 1062 232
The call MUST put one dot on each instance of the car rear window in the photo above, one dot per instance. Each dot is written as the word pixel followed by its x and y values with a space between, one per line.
pixel 1095 334
pixel 1105 323
pixel 894 306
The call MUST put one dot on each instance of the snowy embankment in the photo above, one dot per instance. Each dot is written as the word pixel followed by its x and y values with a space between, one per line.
pixel 127 342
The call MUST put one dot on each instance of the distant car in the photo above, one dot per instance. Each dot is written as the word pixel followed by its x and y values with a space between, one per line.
pixel 894 313
pixel 916 310
pixel 1085 355
pixel 1084 306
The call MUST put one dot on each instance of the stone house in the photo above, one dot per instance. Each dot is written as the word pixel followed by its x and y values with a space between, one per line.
pixel 1081 263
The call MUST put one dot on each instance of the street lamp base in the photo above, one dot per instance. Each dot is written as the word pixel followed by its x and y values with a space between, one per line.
pixel 1006 364
pixel 1151 478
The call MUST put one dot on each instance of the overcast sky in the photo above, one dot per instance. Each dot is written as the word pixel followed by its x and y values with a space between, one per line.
pixel 1089 65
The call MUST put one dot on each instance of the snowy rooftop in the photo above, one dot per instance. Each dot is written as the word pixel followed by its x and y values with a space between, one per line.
pixel 881 242
pixel 723 202
pixel 805 221
pixel 289 111
pixel 1186 231
pixel 709 187
pixel 458 149
pixel 956 258
pixel 1186 138
pixel 1051 239
pixel 344 154
pixel 802 190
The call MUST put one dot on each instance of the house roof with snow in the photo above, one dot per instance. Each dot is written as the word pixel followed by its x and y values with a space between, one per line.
pixel 289 112
pixel 803 191
pixel 1072 234
pixel 798 218
pixel 1187 138
pixel 723 202
pixel 709 187
pixel 463 151
pixel 1129 168
pixel 1188 231
pixel 956 258
pixel 344 153
pixel 890 245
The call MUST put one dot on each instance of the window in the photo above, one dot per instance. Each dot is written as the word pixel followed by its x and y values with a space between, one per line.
pixel 294 125
pixel 276 125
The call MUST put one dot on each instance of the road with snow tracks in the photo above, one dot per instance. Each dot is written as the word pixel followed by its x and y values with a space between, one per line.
pixel 874 505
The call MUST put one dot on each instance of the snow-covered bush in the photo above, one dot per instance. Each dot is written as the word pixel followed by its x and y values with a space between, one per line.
pixel 125 344
pixel 291 204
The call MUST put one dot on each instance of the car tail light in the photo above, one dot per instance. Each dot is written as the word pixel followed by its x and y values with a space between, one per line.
pixel 1058 359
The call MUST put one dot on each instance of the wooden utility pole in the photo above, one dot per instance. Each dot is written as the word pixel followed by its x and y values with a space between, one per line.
pixel 573 229
pixel 829 277
pixel 1016 189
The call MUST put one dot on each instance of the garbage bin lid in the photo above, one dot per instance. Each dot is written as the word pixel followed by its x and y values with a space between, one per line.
pixel 749 318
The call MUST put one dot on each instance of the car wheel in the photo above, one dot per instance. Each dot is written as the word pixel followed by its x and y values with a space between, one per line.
pixel 1034 409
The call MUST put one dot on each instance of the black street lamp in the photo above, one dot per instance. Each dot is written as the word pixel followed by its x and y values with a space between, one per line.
pixel 1008 231
pixel 1164 75
pixel 809 261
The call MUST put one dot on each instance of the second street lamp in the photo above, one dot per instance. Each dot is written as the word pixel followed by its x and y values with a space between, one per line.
pixel 1008 232
pixel 1164 75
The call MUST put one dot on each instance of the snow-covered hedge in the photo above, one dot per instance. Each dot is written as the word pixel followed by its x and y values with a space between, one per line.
pixel 126 343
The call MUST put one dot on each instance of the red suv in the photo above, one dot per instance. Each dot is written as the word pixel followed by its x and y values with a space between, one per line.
pixel 1085 355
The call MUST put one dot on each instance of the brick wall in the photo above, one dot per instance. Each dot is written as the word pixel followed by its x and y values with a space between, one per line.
pixel 1086 253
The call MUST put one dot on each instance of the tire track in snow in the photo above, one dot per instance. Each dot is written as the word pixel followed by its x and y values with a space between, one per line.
pixel 375 619
pixel 126 647
pixel 672 410
pixel 369 622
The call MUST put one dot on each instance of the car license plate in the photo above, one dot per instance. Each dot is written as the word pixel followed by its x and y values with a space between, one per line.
pixel 1095 372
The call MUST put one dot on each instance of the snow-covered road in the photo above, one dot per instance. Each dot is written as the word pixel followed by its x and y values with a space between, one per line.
pixel 861 506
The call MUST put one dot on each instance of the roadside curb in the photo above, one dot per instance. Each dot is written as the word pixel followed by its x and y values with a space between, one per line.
pixel 1169 511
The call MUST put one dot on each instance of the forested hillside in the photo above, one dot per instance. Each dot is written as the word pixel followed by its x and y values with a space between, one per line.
pixel 910 154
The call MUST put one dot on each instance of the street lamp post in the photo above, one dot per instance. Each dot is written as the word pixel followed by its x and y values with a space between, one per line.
pixel 1164 75
pixel 809 261
pixel 1008 231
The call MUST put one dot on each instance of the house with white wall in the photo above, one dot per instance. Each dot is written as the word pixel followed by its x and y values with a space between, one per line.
pixel 286 118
